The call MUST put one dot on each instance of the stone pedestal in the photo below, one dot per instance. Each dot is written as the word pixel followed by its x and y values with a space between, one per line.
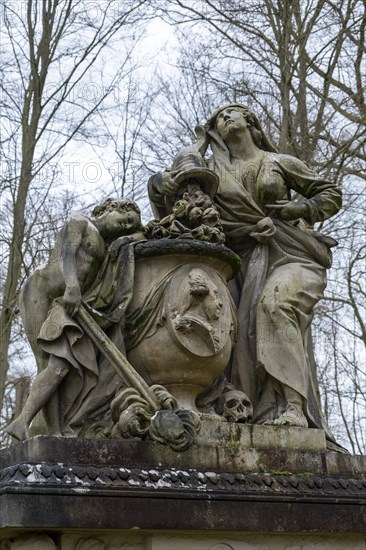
pixel 255 487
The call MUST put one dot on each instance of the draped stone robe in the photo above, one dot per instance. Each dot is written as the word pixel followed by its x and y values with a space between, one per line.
pixel 283 274
pixel 87 390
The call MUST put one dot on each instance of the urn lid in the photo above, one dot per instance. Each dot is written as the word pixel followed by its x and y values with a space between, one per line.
pixel 190 165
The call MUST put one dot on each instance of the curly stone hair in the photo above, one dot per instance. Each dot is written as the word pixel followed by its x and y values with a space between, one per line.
pixel 115 204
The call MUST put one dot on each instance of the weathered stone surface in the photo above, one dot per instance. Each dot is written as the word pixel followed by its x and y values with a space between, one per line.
pixel 181 324
pixel 179 321
pixel 123 540
pixel 283 263
pixel 220 445
pixel 49 483
pixel 183 247
pixel 138 332
pixel 278 437
pixel 223 434
pixel 89 267
pixel 32 541
pixel 255 542
pixel 181 499
pixel 162 247
pixel 214 541
pixel 342 464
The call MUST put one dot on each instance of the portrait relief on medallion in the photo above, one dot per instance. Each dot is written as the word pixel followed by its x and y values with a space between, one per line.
pixel 200 313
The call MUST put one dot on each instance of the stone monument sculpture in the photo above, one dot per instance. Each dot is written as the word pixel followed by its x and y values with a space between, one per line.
pixel 135 323
pixel 175 392
pixel 283 261
pixel 138 332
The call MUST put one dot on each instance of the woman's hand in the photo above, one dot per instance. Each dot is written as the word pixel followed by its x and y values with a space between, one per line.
pixel 169 186
pixel 72 299
pixel 288 210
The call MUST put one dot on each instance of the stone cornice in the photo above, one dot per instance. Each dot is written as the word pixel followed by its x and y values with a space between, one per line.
pixel 57 483
pixel 199 484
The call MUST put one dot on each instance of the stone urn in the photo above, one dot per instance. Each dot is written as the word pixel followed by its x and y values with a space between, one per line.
pixel 181 321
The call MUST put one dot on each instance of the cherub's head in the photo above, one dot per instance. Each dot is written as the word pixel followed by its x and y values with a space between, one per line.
pixel 117 217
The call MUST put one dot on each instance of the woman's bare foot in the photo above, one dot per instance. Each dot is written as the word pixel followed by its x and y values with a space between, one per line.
pixel 17 429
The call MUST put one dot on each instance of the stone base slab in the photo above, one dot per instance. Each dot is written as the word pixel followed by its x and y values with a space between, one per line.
pixel 246 436
pixel 62 485
pixel 220 446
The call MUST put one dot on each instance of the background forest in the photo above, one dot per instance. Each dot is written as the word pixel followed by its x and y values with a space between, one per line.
pixel 97 95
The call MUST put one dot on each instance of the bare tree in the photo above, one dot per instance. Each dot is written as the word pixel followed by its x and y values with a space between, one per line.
pixel 301 66
pixel 45 220
pixel 49 51
pixel 122 129
pixel 301 62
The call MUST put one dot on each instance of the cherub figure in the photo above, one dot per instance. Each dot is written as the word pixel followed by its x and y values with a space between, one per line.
pixel 83 267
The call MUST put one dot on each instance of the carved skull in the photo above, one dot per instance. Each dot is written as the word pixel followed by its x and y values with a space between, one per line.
pixel 235 406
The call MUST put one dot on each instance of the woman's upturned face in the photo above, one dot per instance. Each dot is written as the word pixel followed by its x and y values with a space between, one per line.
pixel 230 120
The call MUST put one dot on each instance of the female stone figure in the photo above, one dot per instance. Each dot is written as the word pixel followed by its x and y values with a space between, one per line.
pixel 284 261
